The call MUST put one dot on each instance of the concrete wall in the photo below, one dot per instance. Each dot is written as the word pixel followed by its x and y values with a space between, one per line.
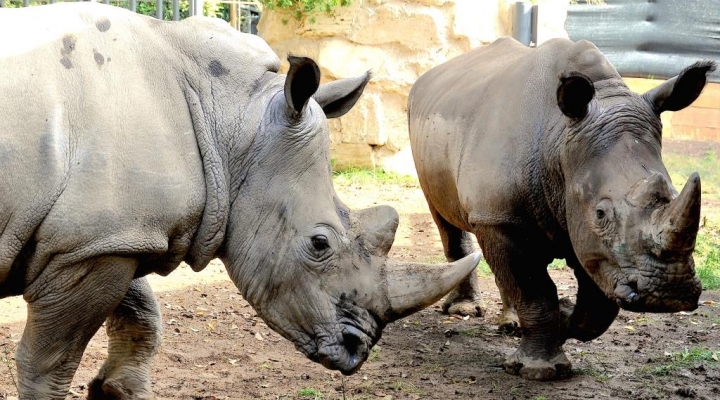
pixel 398 40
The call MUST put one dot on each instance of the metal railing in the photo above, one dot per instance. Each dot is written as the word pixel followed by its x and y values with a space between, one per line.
pixel 195 7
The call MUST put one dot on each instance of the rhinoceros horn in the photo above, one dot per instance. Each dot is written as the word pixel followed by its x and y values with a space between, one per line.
pixel 413 286
pixel 679 222
pixel 406 287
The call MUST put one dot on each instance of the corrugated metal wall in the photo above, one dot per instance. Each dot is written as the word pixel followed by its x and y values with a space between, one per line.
pixel 650 38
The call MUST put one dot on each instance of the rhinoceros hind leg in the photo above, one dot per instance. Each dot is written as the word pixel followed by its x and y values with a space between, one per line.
pixel 465 299
pixel 133 338
pixel 67 304
pixel 508 322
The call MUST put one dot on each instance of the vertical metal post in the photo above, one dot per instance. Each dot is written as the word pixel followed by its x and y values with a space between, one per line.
pixel 176 10
pixel 53 1
pixel 26 3
pixel 191 8
pixel 534 23
pixel 199 7
pixel 522 21
pixel 159 9
pixel 133 5
pixel 104 1
pixel 2 3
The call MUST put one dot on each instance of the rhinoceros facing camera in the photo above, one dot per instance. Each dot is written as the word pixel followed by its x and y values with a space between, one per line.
pixel 545 153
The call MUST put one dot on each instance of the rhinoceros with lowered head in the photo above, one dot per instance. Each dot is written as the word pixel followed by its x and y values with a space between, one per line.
pixel 545 153
pixel 128 145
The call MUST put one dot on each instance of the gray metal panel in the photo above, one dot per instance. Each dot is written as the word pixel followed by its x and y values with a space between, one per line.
pixel 159 9
pixel 26 3
pixel 2 3
pixel 176 10
pixel 133 5
pixel 522 21
pixel 650 39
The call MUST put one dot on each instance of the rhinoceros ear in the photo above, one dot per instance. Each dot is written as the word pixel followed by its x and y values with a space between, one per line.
pixel 337 98
pixel 302 81
pixel 679 92
pixel 574 94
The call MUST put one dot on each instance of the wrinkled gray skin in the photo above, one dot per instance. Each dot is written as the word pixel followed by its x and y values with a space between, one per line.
pixel 128 145
pixel 545 153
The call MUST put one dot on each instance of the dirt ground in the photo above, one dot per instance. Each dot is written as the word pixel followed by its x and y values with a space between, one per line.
pixel 215 347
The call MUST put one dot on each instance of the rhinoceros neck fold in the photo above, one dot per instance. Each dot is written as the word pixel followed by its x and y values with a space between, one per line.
pixel 211 230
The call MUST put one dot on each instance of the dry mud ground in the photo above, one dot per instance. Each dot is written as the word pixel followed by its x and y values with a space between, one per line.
pixel 215 347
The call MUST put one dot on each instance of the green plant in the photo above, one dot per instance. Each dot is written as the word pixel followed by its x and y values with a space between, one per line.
pixel 600 376
pixel 310 392
pixel 364 176
pixel 374 353
pixel 303 8
pixel 684 359
pixel 557 264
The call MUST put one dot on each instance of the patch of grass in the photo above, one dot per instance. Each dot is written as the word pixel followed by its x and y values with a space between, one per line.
pixel 474 332
pixel 684 360
pixel 310 392
pixel 484 268
pixel 707 257
pixel 600 376
pixel 374 353
pixel 366 176
pixel 680 167
pixel 557 264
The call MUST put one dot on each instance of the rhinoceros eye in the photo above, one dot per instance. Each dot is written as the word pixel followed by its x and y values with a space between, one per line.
pixel 320 242
pixel 600 214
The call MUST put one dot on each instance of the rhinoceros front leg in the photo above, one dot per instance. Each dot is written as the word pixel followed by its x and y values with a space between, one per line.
pixel 465 299
pixel 508 322
pixel 520 267
pixel 67 304
pixel 133 331
pixel 593 313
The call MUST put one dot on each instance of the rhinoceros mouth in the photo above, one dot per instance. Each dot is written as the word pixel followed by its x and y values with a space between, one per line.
pixel 658 290
pixel 346 350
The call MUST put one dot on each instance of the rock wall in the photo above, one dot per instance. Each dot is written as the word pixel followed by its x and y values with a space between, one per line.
pixel 398 40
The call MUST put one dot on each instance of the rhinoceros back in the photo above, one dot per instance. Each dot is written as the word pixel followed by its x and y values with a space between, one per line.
pixel 476 122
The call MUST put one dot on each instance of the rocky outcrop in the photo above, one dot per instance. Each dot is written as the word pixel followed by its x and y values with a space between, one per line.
pixel 398 40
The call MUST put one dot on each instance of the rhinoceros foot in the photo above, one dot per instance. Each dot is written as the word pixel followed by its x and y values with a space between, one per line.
pixel 508 323
pixel 114 389
pixel 538 369
pixel 461 304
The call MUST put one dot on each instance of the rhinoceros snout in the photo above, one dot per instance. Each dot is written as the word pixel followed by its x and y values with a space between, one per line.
pixel 645 296
pixel 348 354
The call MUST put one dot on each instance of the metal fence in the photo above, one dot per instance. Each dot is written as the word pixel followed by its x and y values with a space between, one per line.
pixel 243 15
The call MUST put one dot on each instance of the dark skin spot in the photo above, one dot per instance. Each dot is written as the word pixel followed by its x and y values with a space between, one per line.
pixel 217 69
pixel 103 24
pixel 68 45
pixel 99 58
pixel 66 62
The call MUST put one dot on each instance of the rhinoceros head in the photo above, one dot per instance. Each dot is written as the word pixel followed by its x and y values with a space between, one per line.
pixel 629 227
pixel 314 270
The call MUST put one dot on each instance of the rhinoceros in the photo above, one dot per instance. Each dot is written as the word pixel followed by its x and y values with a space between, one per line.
pixel 128 145
pixel 545 153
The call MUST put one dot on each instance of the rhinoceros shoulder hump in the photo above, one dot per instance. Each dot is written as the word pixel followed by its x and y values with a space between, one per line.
pixel 252 46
